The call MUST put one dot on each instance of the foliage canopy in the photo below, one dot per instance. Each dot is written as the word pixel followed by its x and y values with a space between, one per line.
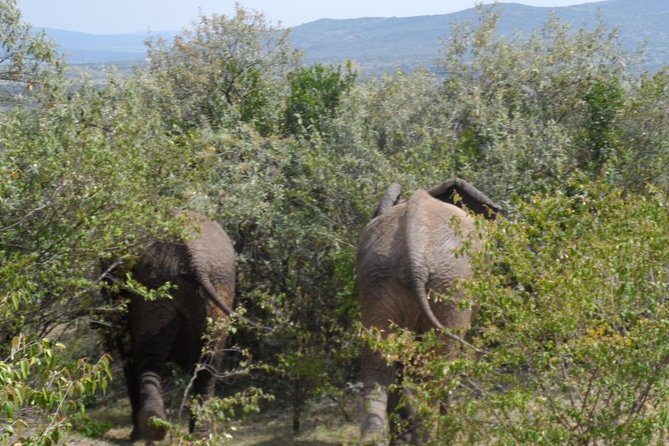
pixel 291 159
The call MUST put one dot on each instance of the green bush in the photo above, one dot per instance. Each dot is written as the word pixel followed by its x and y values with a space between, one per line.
pixel 292 219
pixel 292 160
pixel 315 94
pixel 224 70
pixel 86 175
pixel 570 338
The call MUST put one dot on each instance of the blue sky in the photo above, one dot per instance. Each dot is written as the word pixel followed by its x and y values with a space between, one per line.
pixel 126 16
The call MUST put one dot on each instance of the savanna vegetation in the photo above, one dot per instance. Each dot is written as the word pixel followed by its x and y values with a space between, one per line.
pixel 559 127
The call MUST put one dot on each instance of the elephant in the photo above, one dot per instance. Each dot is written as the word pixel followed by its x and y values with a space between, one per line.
pixel 201 270
pixel 405 253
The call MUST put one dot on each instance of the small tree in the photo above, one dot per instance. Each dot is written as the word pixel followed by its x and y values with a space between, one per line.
pixel 222 70
pixel 642 152
pixel 25 57
pixel 315 94
pixel 88 177
pixel 527 110
pixel 570 341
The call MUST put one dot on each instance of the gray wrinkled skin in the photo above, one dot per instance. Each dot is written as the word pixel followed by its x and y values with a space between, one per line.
pixel 203 270
pixel 404 255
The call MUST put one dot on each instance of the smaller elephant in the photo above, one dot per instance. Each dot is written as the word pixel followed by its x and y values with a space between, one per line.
pixel 201 270
pixel 408 251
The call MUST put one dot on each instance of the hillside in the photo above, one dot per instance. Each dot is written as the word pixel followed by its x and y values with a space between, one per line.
pixel 84 48
pixel 385 43
pixel 379 44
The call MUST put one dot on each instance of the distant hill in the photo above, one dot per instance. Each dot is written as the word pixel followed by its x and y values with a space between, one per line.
pixel 378 44
pixel 385 43
pixel 84 48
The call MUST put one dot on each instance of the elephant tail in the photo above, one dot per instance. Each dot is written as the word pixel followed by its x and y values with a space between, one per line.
pixel 215 298
pixel 416 239
pixel 211 255
pixel 213 295
pixel 203 277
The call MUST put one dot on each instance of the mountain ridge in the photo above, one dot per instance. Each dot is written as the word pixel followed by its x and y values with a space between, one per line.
pixel 387 43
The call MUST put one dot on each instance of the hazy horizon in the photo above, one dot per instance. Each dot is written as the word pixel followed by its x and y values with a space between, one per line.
pixel 137 16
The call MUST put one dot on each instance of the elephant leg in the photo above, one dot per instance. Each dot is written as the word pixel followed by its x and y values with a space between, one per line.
pixel 203 388
pixel 152 406
pixel 205 383
pixel 133 394
pixel 409 428
pixel 154 329
pixel 397 419
pixel 399 411
pixel 377 376
pixel 404 420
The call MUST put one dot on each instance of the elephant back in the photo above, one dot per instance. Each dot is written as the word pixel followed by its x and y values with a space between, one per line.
pixel 161 262
pixel 210 250
pixel 433 232
pixel 206 256
pixel 421 226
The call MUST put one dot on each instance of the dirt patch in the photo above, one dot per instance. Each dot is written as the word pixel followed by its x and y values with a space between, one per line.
pixel 325 423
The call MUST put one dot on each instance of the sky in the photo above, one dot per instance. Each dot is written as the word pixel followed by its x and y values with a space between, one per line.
pixel 128 16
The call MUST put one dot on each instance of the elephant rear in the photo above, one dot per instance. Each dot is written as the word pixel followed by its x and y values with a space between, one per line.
pixel 407 253
pixel 201 271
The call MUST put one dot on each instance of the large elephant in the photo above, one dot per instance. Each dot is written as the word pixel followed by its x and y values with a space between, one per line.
pixel 408 251
pixel 201 270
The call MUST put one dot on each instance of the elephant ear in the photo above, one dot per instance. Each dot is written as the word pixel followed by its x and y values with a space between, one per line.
pixel 389 199
pixel 462 194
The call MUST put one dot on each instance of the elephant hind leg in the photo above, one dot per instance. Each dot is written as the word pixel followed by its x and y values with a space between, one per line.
pixel 205 382
pixel 153 329
pixel 133 393
pixel 203 388
pixel 151 406
pixel 377 376
pixel 404 420
pixel 406 425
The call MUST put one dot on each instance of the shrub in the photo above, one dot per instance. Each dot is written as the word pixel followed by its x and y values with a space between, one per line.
pixel 315 94
pixel 222 71
pixel 570 340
